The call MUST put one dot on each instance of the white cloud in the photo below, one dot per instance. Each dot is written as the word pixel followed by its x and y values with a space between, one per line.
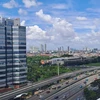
pixel 96 10
pixel 60 27
pixel 81 18
pixel 77 38
pixel 92 38
pixel 88 24
pixel 63 31
pixel 60 6
pixel 36 33
pixel 63 28
pixel 10 4
pixel 23 23
pixel 30 3
pixel 22 12
pixel 43 16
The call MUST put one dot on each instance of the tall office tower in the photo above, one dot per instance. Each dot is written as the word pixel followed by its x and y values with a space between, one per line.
pixel 68 50
pixel 59 51
pixel 42 48
pixel 13 70
pixel 45 48
pixel 62 48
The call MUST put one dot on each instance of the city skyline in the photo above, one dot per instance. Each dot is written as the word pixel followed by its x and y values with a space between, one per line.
pixel 73 23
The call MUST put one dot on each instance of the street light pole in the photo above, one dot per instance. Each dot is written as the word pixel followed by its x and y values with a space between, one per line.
pixel 58 69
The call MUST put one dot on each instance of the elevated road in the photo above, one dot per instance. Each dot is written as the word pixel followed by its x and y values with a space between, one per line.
pixel 13 93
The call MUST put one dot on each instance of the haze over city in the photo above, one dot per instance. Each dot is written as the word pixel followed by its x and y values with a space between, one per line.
pixel 73 23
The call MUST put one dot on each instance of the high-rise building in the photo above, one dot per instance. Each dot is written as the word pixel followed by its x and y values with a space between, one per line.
pixel 42 48
pixel 68 50
pixel 34 49
pixel 13 70
pixel 45 48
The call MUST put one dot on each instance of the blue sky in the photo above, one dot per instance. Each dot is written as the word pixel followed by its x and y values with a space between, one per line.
pixel 74 23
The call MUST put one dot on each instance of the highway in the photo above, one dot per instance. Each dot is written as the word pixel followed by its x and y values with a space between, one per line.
pixel 13 93
pixel 61 84
pixel 79 95
pixel 69 91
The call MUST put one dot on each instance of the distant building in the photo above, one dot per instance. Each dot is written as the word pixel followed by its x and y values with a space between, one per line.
pixel 68 50
pixel 45 48
pixel 34 49
pixel 42 48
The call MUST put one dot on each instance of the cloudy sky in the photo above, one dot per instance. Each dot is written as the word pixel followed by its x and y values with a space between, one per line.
pixel 74 23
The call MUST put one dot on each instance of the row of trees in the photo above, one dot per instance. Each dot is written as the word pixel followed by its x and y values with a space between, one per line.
pixel 37 72
pixel 89 94
pixel 93 94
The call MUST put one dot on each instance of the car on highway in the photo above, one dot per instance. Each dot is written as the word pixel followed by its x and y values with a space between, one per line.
pixel 56 97
pixel 81 86
pixel 20 95
pixel 37 92
pixel 40 96
pixel 59 87
pixel 85 82
pixel 75 78
pixel 78 99
pixel 53 87
pixel 47 91
pixel 67 82
pixel 64 96
pixel 86 79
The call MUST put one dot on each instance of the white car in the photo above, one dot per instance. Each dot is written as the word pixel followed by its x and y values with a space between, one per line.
pixel 78 99
pixel 64 96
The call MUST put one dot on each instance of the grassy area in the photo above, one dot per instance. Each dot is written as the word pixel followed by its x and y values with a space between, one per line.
pixel 93 64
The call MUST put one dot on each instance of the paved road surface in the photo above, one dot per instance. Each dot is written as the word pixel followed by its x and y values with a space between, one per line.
pixel 52 91
pixel 69 91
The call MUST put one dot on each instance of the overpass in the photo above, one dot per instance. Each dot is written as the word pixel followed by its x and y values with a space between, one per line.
pixel 13 93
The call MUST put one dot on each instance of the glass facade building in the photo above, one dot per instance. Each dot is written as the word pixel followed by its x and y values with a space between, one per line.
pixel 13 70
